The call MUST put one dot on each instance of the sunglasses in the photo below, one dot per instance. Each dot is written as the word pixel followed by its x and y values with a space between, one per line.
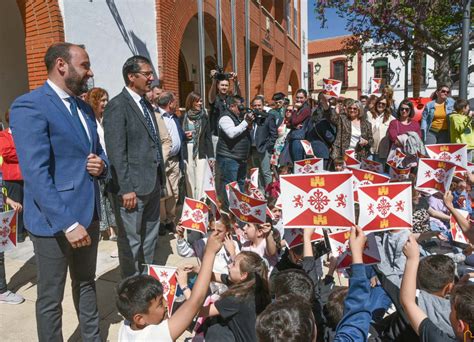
pixel 381 104
pixel 444 91
pixel 404 109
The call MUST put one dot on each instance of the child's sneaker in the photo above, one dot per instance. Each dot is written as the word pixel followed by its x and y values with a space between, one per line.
pixel 11 298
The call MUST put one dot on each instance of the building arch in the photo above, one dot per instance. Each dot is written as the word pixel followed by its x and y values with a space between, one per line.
pixel 43 25
pixel 293 84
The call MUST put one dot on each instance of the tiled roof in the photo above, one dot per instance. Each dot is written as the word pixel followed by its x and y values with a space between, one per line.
pixel 327 45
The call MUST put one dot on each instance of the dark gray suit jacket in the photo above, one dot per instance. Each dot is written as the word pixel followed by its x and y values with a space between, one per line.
pixel 130 147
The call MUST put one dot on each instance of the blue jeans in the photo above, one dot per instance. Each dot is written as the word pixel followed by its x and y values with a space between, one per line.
pixel 296 150
pixel 230 170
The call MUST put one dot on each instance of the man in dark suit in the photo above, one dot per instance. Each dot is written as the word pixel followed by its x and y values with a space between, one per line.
pixel 136 158
pixel 61 159
pixel 265 135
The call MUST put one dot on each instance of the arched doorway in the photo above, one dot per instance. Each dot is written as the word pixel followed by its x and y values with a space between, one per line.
pixel 13 67
pixel 188 63
pixel 293 85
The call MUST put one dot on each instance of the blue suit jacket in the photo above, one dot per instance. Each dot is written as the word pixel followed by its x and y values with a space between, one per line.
pixel 53 156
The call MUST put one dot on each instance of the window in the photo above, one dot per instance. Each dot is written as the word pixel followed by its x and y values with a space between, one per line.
pixel 339 70
pixel 310 76
pixel 288 17
pixel 381 69
pixel 295 20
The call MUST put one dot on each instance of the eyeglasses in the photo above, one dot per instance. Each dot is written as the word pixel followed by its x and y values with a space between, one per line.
pixel 350 109
pixel 381 104
pixel 444 91
pixel 147 74
pixel 404 109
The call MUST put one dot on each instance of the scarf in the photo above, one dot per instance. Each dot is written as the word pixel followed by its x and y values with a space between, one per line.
pixel 196 118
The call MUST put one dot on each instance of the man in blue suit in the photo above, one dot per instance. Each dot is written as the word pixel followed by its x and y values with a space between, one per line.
pixel 61 159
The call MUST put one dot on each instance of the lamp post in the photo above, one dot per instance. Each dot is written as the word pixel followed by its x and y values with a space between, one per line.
pixel 466 23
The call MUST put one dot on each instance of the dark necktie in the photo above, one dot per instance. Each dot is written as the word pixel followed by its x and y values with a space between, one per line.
pixel 77 120
pixel 149 123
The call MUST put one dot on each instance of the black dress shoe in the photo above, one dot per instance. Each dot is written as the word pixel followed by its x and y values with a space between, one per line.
pixel 170 227
pixel 162 229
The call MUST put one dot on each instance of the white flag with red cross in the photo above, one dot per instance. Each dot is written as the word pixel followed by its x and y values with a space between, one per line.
pixel 350 160
pixel 351 152
pixel 434 175
pixel 317 200
pixel 456 231
pixel 340 249
pixel 399 175
pixel 364 177
pixel 294 237
pixel 332 87
pixel 308 149
pixel 312 165
pixel 376 85
pixel 396 159
pixel 385 206
pixel 209 184
pixel 8 230
pixel 370 165
pixel 195 215
pixel 453 153
pixel 256 193
pixel 254 178
pixel 247 208
pixel 167 277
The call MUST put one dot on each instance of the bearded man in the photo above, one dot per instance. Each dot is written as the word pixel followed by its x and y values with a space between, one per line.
pixel 61 159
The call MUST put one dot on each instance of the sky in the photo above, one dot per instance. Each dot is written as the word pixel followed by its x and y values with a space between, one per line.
pixel 335 25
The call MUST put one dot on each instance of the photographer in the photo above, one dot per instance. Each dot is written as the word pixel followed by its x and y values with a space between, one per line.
pixel 220 101
pixel 233 146
pixel 264 135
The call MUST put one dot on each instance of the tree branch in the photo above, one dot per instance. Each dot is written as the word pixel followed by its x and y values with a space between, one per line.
pixel 456 77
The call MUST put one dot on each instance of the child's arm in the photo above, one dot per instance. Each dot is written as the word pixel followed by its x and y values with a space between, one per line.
pixel 464 223
pixel 180 321
pixel 354 325
pixel 14 205
pixel 183 247
pixel 271 248
pixel 408 289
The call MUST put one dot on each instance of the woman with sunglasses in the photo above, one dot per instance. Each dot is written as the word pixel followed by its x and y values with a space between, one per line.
pixel 434 122
pixel 353 131
pixel 380 117
pixel 399 129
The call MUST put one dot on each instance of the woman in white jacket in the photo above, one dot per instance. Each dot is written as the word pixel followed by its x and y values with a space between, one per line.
pixel 380 117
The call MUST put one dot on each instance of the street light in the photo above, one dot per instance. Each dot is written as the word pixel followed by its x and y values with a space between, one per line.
pixel 317 68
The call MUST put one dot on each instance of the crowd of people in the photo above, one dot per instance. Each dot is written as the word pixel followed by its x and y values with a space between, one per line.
pixel 81 166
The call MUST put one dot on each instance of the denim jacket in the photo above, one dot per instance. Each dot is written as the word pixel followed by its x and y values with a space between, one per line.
pixel 428 115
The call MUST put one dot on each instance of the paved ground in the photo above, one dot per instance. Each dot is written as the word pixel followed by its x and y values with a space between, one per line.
pixel 17 322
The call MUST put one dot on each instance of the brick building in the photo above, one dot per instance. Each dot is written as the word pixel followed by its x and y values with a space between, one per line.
pixel 166 31
pixel 327 58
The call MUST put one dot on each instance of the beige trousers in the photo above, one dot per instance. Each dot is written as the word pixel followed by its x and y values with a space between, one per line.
pixel 168 204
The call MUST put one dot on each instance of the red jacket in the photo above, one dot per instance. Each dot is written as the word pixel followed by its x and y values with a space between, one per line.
pixel 10 167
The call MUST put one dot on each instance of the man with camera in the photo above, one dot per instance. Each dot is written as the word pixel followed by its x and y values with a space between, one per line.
pixel 220 101
pixel 264 135
pixel 233 146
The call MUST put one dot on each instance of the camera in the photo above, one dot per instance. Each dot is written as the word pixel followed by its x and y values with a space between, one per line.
pixel 220 75
pixel 259 116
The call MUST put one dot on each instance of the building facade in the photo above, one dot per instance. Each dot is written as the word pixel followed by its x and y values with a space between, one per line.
pixel 391 68
pixel 165 31
pixel 327 58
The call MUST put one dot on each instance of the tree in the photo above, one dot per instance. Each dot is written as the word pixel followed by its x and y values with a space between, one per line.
pixel 392 25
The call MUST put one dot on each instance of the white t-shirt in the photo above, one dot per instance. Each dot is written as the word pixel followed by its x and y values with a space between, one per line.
pixel 355 136
pixel 159 332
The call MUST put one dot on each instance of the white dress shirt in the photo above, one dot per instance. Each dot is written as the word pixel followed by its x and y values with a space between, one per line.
pixel 173 132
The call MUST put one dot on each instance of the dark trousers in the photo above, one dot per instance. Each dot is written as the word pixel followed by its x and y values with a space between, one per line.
pixel 15 192
pixel 137 233
pixel 53 257
pixel 297 150
pixel 3 276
